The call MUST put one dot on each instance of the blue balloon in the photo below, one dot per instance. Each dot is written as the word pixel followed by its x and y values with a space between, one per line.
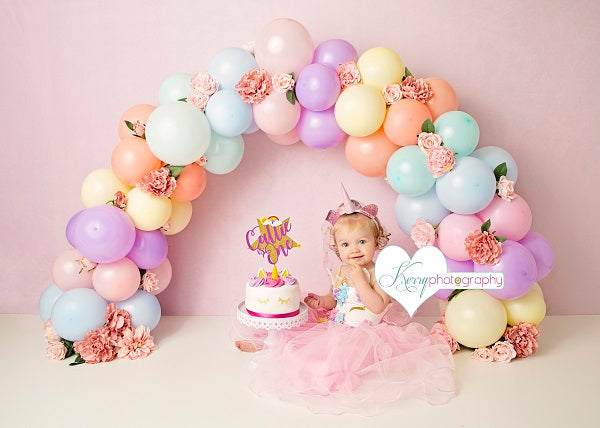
pixel 47 301
pixel 76 312
pixel 174 88
pixel 468 188
pixel 143 308
pixel 494 156
pixel 229 65
pixel 459 131
pixel 426 206
pixel 224 154
pixel 407 171
pixel 252 128
pixel 227 114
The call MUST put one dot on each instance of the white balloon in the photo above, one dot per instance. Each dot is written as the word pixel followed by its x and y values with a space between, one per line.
pixel 174 88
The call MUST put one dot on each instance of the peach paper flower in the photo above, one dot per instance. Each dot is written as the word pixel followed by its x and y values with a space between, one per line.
pixel 198 100
pixel 392 93
pixel 136 344
pixel 417 89
pixel 120 200
pixel 50 334
pixel 254 86
pixel 86 265
pixel 56 351
pixel 428 141
pixel 283 82
pixel 440 160
pixel 523 337
pixel 503 352
pixel 158 183
pixel 204 83
pixel 483 354
pixel 150 282
pixel 422 233
pixel 139 129
pixel 95 347
pixel 202 161
pixel 349 74
pixel 506 189
pixel 440 330
pixel 117 321
pixel 483 248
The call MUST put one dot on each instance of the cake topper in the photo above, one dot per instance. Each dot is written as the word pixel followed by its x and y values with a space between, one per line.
pixel 273 239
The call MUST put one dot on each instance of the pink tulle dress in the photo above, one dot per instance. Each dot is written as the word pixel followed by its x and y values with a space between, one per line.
pixel 350 360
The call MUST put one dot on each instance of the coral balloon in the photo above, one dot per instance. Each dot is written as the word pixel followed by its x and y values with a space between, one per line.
pixel 100 186
pixel 369 155
pixel 452 232
pixel 136 115
pixel 360 110
pixel 181 215
pixel 530 308
pixel 68 273
pixel 511 219
pixel 542 252
pixel 162 276
pixel 131 159
pixel 380 67
pixel 275 114
pixel 403 121
pixel 147 211
pixel 116 281
pixel 444 98
pixel 191 182
pixel 286 139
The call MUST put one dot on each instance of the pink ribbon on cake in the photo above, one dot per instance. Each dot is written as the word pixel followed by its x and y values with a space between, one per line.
pixel 258 314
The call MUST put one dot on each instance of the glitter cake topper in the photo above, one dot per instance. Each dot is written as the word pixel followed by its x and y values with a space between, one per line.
pixel 273 239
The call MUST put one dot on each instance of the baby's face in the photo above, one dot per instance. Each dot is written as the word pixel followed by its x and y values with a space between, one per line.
pixel 356 246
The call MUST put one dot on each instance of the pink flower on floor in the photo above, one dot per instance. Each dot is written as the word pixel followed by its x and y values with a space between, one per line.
pixel 254 86
pixel 349 74
pixel 416 89
pixel 440 330
pixel 56 351
pixel 158 183
pixel 204 83
pixel 503 352
pixel 392 93
pixel 202 161
pixel 428 141
pixel 440 160
pixel 136 344
pixel 50 334
pixel 139 129
pixel 150 282
pixel 523 337
pixel 283 82
pixel 483 354
pixel 422 233
pixel 95 347
pixel 198 100
pixel 483 248
pixel 506 189
pixel 117 321
pixel 120 200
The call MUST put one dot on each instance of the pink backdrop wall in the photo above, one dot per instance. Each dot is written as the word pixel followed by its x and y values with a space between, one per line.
pixel 527 72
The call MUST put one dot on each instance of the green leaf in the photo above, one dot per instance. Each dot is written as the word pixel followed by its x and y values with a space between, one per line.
pixel 175 170
pixel 129 125
pixel 486 226
pixel 291 96
pixel 428 126
pixel 293 75
pixel 500 171
pixel 407 72
pixel 183 99
pixel 500 238
pixel 78 360
pixel 454 294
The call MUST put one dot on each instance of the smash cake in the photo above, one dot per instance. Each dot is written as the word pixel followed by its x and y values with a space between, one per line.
pixel 273 295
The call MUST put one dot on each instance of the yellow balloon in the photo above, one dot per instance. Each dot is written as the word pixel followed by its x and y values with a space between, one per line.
pixel 180 217
pixel 380 67
pixel 100 186
pixel 529 308
pixel 537 288
pixel 475 319
pixel 360 110
pixel 147 211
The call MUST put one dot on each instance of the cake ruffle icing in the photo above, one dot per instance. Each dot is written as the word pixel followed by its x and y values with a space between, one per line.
pixel 273 295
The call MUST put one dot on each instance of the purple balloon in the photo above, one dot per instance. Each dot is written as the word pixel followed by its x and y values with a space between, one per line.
pixel 317 87
pixel 331 53
pixel 149 249
pixel 542 252
pixel 454 266
pixel 103 234
pixel 518 266
pixel 71 229
pixel 319 129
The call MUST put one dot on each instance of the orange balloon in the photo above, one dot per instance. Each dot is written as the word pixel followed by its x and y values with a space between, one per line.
pixel 139 112
pixel 403 121
pixel 191 182
pixel 444 98
pixel 369 155
pixel 131 159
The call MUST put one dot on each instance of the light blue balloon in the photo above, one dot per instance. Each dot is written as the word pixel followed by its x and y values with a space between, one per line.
pixel 227 114
pixel 177 133
pixel 224 154
pixel 47 300
pixel 252 128
pixel 407 171
pixel 76 312
pixel 426 206
pixel 494 156
pixel 174 88
pixel 143 308
pixel 459 131
pixel 468 188
pixel 229 65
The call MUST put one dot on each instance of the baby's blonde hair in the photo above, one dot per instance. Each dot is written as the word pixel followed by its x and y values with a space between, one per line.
pixel 352 221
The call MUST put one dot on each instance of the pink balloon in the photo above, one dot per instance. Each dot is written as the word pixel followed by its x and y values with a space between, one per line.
pixel 284 46
pixel 509 219
pixel 163 274
pixel 452 231
pixel 67 271
pixel 116 281
pixel 287 139
pixel 275 115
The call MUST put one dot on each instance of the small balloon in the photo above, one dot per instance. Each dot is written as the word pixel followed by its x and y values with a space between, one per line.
pixel 407 172
pixel 191 182
pixel 147 212
pixel 426 206
pixel 227 114
pixel 319 129
pixel 360 110
pixel 542 252
pixel 380 67
pixel 229 65
pixel 510 219
pixel 224 154
pixel 136 115
pixel 444 98
pixel 76 312
pixel 132 159
pixel 47 301
pixel 287 139
pixel 334 52
pixel 143 308
pixel 452 232
pixel 403 122
pixel 275 114
pixel 149 249
pixel 100 187
pixel 459 131
pixel 369 155
pixel 181 215
pixel 70 230
pixel 116 281
pixel 68 271
pixel 529 308
pixel 494 156
pixel 163 274
pixel 174 88
pixel 317 87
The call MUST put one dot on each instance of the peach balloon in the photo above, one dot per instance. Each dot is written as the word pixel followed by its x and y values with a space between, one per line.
pixel 403 121
pixel 68 273
pixel 140 113
pixel 444 98
pixel 509 219
pixel 452 231
pixel 116 281
pixel 191 182
pixel 163 274
pixel 287 139
pixel 369 155
pixel 131 159
pixel 275 114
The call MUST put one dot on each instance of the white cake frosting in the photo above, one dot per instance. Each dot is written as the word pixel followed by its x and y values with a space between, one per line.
pixel 273 294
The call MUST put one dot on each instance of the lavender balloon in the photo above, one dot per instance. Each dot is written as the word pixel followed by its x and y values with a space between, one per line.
pixel 149 249
pixel 317 87
pixel 333 52
pixel 518 266
pixel 542 253
pixel 71 229
pixel 319 129
pixel 454 266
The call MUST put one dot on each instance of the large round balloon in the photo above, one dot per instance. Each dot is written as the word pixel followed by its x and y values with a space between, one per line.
pixel 100 186
pixel 459 131
pixel 143 308
pixel 174 88
pixel 136 115
pixel 494 156
pixel 426 206
pixel 147 211
pixel 229 65
pixel 511 219
pixel 132 159
pixel 452 232
pixel 319 129
pixel 334 52
pixel 360 110
pixel 444 98
pixel 317 87
pixel 275 114
pixel 542 252
pixel 76 312
pixel 369 155
pixel 529 308
pixel 68 273
pixel 227 114
pixel 407 172
pixel 224 154
pixel 403 122
pixel 454 266
pixel 149 249
pixel 47 300
pixel 380 67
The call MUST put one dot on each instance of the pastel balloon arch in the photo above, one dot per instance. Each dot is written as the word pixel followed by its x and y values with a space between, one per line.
pixel 394 125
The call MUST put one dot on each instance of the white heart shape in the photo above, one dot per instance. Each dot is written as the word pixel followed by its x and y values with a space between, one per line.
pixel 407 280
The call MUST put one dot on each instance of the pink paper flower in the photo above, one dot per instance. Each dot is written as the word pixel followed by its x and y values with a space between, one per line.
pixel 56 351
pixel 428 141
pixel 204 83
pixel 120 200
pixel 86 265
pixel 95 347
pixel 202 161
pixel 422 233
pixel 158 183
pixel 150 282
pixel 254 86
pixel 198 100
pixel 349 74
pixel 283 82
pixel 117 321
pixel 483 248
pixel 249 46
pixel 483 354
pixel 440 330
pixel 392 93
pixel 50 334
pixel 506 189
pixel 136 344
pixel 440 160
pixel 503 352
pixel 139 129
pixel 523 337
pixel 417 89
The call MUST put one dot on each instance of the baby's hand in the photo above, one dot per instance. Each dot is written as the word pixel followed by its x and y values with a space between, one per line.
pixel 357 276
pixel 313 301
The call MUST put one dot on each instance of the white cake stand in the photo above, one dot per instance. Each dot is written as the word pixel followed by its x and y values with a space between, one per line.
pixel 272 323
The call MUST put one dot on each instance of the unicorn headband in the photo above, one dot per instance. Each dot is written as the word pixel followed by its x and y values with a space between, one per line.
pixel 349 207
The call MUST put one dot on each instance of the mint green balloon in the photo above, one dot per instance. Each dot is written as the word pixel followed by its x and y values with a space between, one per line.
pixel 459 132
pixel 174 88
pixel 407 172
pixel 224 154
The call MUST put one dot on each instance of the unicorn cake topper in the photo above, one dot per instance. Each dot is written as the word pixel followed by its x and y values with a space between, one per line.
pixel 273 240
